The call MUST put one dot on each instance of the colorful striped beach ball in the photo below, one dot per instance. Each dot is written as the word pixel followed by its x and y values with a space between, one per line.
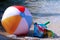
pixel 17 20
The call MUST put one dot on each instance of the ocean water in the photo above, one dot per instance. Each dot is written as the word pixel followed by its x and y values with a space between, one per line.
pixel 44 6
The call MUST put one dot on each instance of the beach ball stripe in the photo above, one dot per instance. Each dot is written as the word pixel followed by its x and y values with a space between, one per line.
pixel 19 29
pixel 20 8
pixel 27 12
pixel 10 25
pixel 17 20
pixel 27 18
pixel 10 11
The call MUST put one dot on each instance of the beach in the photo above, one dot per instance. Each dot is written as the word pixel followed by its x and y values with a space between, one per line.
pixel 42 11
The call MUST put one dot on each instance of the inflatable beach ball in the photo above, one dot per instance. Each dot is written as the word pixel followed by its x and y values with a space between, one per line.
pixel 16 20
